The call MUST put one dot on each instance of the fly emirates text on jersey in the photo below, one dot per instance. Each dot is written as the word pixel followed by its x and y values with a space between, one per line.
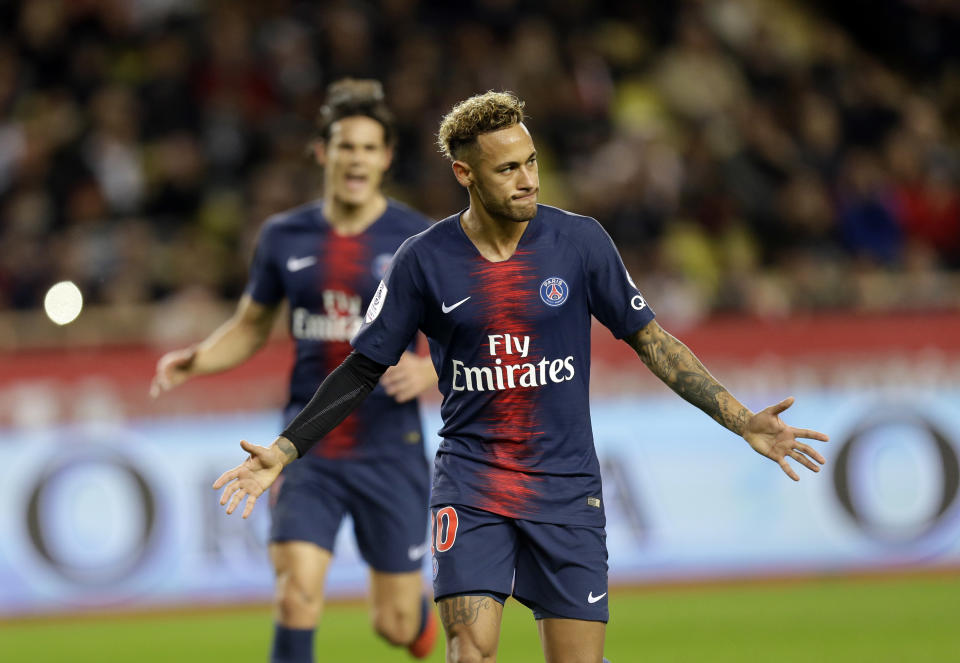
pixel 508 370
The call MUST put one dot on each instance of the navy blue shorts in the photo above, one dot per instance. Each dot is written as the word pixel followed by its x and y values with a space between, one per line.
pixel 387 499
pixel 555 570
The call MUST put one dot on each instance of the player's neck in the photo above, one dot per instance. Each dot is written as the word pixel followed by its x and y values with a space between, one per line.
pixel 496 238
pixel 349 219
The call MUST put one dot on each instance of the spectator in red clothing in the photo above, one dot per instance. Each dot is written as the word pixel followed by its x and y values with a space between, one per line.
pixel 930 214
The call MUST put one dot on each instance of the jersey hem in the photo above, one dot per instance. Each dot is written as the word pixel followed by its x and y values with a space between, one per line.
pixel 600 521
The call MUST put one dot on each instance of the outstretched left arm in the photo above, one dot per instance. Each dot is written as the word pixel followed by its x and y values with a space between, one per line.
pixel 674 363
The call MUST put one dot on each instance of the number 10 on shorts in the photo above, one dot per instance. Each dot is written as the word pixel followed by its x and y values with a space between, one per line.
pixel 444 525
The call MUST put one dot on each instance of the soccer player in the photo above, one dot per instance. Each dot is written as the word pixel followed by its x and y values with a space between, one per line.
pixel 504 292
pixel 326 258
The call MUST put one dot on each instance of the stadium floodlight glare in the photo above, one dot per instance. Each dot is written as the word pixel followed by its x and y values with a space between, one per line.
pixel 63 302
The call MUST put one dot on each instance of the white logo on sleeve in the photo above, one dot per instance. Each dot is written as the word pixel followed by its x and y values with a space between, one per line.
pixel 593 599
pixel 376 303
pixel 447 309
pixel 638 302
pixel 296 264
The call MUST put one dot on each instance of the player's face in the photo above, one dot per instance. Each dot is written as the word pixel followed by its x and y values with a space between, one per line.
pixel 505 176
pixel 355 158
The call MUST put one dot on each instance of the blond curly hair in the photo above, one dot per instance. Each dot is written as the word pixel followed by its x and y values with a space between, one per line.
pixel 480 114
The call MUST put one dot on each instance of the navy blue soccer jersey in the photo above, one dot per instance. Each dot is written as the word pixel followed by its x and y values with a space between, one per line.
pixel 511 344
pixel 329 280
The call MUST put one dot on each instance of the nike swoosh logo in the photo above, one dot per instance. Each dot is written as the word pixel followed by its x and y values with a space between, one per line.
pixel 593 599
pixel 416 552
pixel 296 264
pixel 447 309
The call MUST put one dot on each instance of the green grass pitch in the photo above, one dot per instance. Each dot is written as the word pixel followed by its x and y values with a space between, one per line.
pixel 874 620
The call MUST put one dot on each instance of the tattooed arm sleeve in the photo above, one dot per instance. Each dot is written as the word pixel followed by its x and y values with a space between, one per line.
pixel 674 363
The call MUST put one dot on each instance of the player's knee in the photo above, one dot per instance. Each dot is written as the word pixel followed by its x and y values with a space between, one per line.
pixel 396 626
pixel 297 604
pixel 462 648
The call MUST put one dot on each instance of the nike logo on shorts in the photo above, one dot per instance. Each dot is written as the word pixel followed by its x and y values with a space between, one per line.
pixel 416 552
pixel 593 599
pixel 447 309
pixel 296 264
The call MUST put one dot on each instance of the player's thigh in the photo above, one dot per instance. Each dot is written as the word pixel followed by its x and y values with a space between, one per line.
pixel 571 640
pixel 304 561
pixel 300 570
pixel 562 571
pixel 471 623
pixel 387 500
pixel 474 553
pixel 396 597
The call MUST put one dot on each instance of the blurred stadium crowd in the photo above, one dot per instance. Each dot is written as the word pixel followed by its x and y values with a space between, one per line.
pixel 748 156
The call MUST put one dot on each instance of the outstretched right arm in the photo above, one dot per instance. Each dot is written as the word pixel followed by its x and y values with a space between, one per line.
pixel 231 344
pixel 391 321
pixel 339 395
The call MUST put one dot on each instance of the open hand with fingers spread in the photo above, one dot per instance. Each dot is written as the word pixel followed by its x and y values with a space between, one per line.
pixel 251 478
pixel 769 436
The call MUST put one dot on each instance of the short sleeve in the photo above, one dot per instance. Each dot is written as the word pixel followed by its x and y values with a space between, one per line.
pixel 394 314
pixel 614 298
pixel 265 284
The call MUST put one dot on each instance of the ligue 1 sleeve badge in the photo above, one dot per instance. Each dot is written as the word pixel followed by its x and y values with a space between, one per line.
pixel 554 291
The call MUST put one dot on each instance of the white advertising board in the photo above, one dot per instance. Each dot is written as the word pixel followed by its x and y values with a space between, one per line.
pixel 118 515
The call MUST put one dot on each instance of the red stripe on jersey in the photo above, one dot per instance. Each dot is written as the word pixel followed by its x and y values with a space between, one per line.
pixel 504 292
pixel 344 263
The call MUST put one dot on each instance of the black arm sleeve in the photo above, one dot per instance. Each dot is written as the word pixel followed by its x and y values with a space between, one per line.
pixel 339 395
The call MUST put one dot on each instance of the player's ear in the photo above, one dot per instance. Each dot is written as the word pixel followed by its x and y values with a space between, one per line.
pixel 463 173
pixel 319 148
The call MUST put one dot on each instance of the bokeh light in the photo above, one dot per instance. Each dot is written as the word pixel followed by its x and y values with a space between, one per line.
pixel 63 302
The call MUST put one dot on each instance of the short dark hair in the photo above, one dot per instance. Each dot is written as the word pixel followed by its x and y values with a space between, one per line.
pixel 356 96
pixel 480 114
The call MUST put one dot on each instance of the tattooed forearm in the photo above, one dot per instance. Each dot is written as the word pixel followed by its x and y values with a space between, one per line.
pixel 464 609
pixel 740 422
pixel 671 361
pixel 287 449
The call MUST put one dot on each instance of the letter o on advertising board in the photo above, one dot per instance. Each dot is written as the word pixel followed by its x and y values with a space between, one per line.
pixel 45 519
pixel 850 496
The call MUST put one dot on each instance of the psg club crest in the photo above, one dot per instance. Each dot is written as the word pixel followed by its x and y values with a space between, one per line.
pixel 380 265
pixel 554 291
